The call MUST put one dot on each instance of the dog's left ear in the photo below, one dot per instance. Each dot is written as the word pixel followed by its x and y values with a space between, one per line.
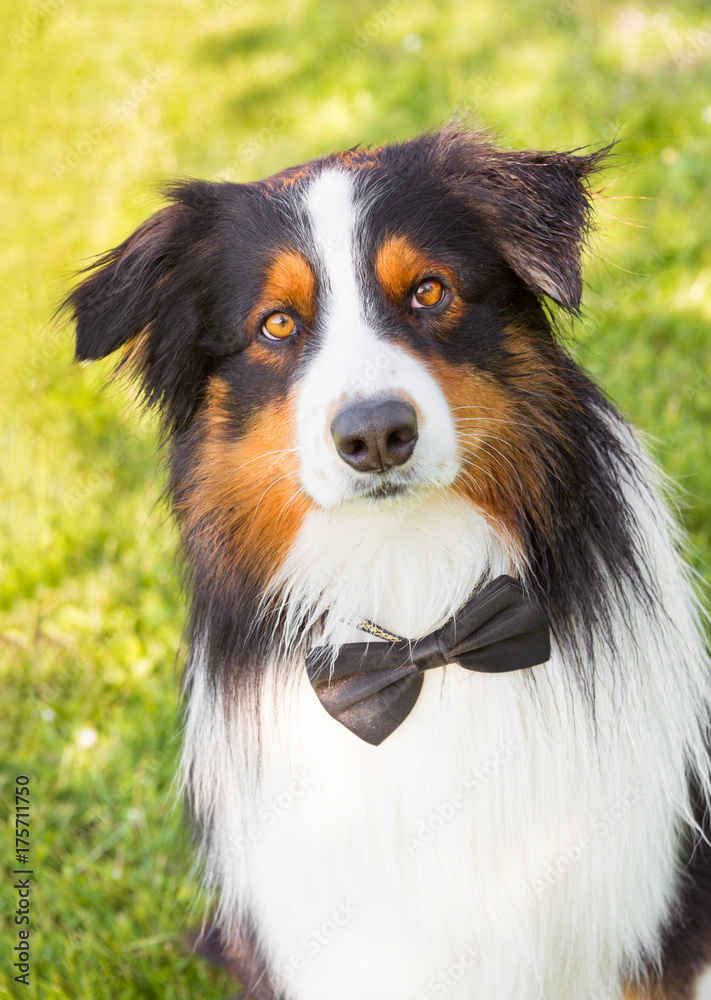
pixel 537 207
pixel 149 297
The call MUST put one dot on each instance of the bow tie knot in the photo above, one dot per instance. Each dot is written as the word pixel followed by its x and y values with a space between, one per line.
pixel 429 652
pixel 371 688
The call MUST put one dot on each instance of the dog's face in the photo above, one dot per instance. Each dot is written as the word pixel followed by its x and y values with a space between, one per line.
pixel 361 329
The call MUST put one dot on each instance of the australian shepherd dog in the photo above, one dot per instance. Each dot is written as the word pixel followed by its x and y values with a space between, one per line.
pixel 369 418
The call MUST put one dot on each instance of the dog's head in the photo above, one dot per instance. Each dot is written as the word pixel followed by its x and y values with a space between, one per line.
pixel 363 328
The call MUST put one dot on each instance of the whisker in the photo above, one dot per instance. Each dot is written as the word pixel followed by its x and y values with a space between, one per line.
pixel 489 449
pixel 281 451
pixel 270 487
pixel 290 502
pixel 466 474
pixel 480 441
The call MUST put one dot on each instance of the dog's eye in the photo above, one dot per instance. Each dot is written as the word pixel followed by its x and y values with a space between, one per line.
pixel 278 326
pixel 428 293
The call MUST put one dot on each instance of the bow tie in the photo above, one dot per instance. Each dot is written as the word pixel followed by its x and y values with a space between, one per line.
pixel 371 688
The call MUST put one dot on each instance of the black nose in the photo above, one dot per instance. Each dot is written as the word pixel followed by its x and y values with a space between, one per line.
pixel 373 437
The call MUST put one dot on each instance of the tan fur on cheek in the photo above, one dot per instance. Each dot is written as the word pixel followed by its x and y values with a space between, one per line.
pixel 503 470
pixel 482 416
pixel 245 502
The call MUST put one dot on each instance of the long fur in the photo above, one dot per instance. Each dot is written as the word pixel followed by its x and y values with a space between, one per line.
pixel 527 836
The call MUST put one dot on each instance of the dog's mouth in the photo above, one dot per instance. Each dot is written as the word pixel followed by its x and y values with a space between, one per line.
pixel 385 491
pixel 385 487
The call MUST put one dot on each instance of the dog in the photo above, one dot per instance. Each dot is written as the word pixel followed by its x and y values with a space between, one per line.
pixel 447 695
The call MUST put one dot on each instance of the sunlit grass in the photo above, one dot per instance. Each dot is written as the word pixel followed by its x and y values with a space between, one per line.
pixel 107 101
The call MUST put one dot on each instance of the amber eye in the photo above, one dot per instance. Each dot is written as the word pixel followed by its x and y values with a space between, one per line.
pixel 429 292
pixel 278 326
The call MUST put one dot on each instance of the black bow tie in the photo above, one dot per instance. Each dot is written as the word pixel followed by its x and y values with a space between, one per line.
pixel 372 687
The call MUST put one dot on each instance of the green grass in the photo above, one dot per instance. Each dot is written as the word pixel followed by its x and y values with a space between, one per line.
pixel 91 611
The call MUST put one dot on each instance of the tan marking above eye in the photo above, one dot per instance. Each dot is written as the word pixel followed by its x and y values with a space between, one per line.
pixel 289 287
pixel 428 293
pixel 278 326
pixel 400 266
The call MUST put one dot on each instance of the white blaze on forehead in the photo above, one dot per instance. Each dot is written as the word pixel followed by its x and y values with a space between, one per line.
pixel 353 362
pixel 330 203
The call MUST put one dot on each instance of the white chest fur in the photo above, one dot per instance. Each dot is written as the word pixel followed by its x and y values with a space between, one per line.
pixel 499 844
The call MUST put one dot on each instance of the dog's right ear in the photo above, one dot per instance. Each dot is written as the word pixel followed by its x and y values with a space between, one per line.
pixel 537 204
pixel 146 295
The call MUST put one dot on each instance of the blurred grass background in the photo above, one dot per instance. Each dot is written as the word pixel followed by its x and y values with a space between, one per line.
pixel 104 100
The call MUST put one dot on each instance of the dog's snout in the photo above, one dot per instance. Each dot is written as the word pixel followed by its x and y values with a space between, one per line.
pixel 375 436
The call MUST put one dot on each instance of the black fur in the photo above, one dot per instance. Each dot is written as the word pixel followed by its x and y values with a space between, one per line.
pixel 239 956
pixel 686 943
